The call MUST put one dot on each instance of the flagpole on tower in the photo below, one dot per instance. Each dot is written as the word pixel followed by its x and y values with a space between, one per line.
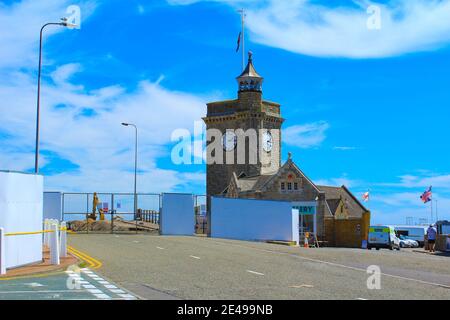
pixel 242 12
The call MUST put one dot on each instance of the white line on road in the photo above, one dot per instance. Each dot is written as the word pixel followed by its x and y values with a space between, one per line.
pixel 336 264
pixel 254 272
pixel 194 257
pixel 159 248
pixel 361 299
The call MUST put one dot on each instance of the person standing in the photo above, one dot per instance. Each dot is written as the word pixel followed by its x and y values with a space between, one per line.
pixel 431 236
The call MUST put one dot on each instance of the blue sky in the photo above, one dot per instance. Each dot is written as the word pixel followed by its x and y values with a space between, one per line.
pixel 364 108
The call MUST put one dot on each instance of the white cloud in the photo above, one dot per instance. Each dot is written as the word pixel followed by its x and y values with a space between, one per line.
pixel 337 182
pixel 83 125
pixel 344 148
pixel 305 27
pixel 21 22
pixel 396 207
pixel 306 135
pixel 424 180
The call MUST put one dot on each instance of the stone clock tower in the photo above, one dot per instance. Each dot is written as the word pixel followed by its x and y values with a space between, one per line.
pixel 251 114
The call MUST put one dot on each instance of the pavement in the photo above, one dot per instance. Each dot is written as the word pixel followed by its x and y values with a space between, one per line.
pixel 155 267
pixel 73 284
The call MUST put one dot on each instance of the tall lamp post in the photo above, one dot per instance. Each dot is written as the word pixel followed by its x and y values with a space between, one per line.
pixel 135 167
pixel 63 23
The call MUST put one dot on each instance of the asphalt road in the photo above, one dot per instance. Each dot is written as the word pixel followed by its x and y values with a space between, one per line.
pixel 154 267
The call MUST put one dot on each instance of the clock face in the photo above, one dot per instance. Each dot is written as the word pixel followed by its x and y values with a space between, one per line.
pixel 267 141
pixel 229 141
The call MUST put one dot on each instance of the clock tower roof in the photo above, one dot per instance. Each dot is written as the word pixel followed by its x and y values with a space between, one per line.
pixel 250 70
pixel 250 80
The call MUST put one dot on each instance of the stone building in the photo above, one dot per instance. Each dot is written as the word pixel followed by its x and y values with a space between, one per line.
pixel 341 219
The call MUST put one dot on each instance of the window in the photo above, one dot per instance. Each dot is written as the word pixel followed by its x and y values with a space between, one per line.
pixel 295 186
pixel 289 186
pixel 283 186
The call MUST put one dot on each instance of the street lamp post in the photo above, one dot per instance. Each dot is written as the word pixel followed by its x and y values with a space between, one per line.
pixel 135 167
pixel 63 23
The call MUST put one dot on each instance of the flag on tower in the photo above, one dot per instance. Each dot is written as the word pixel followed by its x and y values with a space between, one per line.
pixel 239 42
pixel 427 195
pixel 366 196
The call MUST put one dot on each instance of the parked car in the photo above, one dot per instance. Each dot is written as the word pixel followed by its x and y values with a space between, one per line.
pixel 416 233
pixel 408 243
pixel 383 237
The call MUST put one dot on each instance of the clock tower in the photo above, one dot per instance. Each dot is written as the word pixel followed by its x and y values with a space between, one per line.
pixel 250 130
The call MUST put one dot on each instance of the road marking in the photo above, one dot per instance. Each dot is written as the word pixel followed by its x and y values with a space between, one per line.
pixel 34 284
pixel 136 241
pixel 110 286
pixel 41 291
pixel 102 296
pixel 95 291
pixel 107 285
pixel 254 272
pixel 361 299
pixel 94 263
pixel 89 286
pixel 302 286
pixel 126 296
pixel 116 290
pixel 194 257
pixel 335 264
pixel 159 248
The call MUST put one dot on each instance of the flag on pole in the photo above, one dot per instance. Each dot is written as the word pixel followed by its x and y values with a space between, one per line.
pixel 427 196
pixel 239 42
pixel 366 196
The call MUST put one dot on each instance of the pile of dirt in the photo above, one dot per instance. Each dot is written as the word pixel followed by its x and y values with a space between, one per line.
pixel 99 226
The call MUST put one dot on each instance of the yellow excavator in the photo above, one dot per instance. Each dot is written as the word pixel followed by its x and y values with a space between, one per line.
pixel 95 203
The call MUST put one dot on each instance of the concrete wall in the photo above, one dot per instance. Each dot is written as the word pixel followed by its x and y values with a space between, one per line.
pixel 53 205
pixel 21 210
pixel 177 214
pixel 245 219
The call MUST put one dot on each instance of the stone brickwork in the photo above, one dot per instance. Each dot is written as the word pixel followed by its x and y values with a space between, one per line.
pixel 264 181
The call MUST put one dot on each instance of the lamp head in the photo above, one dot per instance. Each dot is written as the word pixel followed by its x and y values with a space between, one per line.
pixel 66 23
pixel 125 124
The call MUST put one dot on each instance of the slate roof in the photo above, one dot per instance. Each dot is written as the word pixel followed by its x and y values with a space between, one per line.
pixel 333 196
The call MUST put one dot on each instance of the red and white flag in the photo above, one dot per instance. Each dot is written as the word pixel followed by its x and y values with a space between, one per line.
pixel 366 196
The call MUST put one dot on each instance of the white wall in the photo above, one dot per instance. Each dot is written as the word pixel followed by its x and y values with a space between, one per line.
pixel 252 220
pixel 53 205
pixel 177 214
pixel 21 207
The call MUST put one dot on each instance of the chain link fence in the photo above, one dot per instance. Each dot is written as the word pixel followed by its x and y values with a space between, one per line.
pixel 114 213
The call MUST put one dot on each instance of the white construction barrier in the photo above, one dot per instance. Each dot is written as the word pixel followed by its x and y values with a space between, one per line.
pixel 177 214
pixel 254 220
pixel 21 211
pixel 53 205
pixel 54 244
pixel 2 252
pixel 63 240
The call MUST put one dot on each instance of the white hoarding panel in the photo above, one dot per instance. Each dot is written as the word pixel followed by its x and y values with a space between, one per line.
pixel 258 220
pixel 53 205
pixel 177 214
pixel 21 207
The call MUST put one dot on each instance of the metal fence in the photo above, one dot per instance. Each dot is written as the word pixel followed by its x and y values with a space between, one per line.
pixel 119 215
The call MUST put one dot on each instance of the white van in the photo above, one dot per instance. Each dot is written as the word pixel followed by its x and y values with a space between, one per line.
pixel 416 233
pixel 383 237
